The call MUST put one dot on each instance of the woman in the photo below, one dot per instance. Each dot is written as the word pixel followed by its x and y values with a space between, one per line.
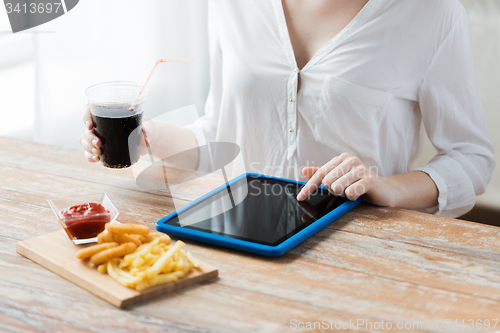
pixel 344 85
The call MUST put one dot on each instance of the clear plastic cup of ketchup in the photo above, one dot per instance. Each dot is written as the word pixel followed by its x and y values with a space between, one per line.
pixel 84 217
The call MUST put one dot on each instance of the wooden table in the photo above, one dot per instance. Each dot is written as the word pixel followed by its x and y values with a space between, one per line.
pixel 378 265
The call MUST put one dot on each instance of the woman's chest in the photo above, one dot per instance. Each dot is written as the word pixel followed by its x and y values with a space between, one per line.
pixel 374 50
pixel 311 25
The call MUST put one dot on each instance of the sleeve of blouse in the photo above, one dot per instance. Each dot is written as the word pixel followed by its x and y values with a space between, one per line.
pixel 454 121
pixel 205 127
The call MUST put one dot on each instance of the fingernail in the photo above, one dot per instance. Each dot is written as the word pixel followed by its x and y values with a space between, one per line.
pixel 87 123
pixel 300 197
pixel 94 151
pixel 95 158
pixel 94 142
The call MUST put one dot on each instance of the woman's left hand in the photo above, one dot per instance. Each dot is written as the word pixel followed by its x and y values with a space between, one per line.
pixel 347 176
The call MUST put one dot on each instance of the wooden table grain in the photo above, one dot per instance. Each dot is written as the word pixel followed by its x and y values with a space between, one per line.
pixel 375 269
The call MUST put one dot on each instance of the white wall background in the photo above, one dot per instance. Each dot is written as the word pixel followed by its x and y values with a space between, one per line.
pixel 103 40
pixel 17 81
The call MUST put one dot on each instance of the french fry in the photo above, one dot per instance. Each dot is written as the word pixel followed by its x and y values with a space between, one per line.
pixel 138 262
pixel 148 238
pixel 168 268
pixel 124 238
pixel 122 264
pixel 156 249
pixel 142 250
pixel 141 274
pixel 136 229
pixel 138 258
pixel 192 260
pixel 157 280
pixel 189 266
pixel 173 266
pixel 111 268
pixel 160 263
pixel 179 274
pixel 102 268
pixel 150 260
pixel 182 264
pixel 126 275
pixel 164 238
pixel 112 253
pixel 105 237
pixel 91 250
pixel 143 245
pixel 142 238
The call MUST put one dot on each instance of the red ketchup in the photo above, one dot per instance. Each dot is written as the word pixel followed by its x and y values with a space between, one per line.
pixel 85 221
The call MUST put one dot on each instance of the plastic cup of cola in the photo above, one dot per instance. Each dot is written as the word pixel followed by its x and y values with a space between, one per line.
pixel 117 117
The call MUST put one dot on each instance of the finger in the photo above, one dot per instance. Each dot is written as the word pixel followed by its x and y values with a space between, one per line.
pixel 89 147
pixel 318 176
pixel 339 186
pixel 87 118
pixel 308 172
pixel 92 138
pixel 342 169
pixel 356 189
pixel 84 143
pixel 90 157
pixel 96 151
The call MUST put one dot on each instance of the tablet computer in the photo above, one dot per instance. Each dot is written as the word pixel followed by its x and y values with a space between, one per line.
pixel 256 213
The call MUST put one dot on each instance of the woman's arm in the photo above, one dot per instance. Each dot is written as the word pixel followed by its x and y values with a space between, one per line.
pixel 347 176
pixel 168 140
pixel 454 121
pixel 453 117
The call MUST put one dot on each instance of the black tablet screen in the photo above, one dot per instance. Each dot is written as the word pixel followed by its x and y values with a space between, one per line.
pixel 260 210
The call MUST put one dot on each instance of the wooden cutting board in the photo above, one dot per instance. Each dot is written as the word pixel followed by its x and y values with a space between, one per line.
pixel 57 253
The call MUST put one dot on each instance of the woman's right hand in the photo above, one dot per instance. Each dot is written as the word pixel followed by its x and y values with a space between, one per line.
pixel 156 133
pixel 89 141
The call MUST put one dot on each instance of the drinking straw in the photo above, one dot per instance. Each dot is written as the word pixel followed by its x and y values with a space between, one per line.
pixel 134 103
pixel 151 74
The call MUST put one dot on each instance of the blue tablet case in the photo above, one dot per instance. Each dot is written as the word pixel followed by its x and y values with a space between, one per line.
pixel 238 244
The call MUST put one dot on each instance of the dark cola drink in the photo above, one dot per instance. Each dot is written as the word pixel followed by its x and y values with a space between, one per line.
pixel 120 131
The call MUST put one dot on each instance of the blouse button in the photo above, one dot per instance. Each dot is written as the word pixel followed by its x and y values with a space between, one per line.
pixel 291 99
pixel 291 129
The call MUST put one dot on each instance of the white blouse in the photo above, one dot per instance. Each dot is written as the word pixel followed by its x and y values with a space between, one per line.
pixel 365 92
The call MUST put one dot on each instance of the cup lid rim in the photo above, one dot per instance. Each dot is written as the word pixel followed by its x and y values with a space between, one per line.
pixel 117 83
